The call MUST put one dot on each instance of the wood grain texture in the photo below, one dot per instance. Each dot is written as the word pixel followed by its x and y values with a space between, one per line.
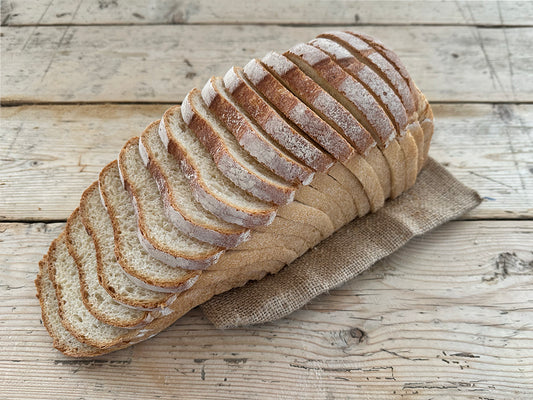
pixel 50 154
pixel 405 12
pixel 448 316
pixel 161 63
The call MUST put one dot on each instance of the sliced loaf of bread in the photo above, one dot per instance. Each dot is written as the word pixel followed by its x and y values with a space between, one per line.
pixel 231 159
pixel 157 234
pixel 210 187
pixel 181 207
pixel 135 260
pixel 251 136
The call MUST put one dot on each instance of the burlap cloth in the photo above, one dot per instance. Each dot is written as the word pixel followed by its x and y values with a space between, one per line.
pixel 436 198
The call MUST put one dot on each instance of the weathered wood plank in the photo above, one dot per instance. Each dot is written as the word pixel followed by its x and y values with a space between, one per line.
pixel 37 12
pixel 448 316
pixel 161 63
pixel 50 154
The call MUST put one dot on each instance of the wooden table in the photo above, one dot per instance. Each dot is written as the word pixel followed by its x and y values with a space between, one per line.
pixel 448 316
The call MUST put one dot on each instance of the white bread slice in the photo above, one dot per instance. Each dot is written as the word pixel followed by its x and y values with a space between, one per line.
pixel 395 61
pixel 74 315
pixel 384 94
pixel 329 186
pixel 320 101
pixel 292 108
pixel 63 339
pixel 251 136
pixel 138 264
pixel 426 122
pixel 111 275
pixel 181 207
pixel 288 135
pixel 157 234
pixel 95 298
pixel 356 98
pixel 368 55
pixel 231 159
pixel 210 187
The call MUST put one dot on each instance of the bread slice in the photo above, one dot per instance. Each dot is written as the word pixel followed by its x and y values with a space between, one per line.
pixel 181 208
pixel 111 275
pixel 159 237
pixel 292 108
pixel 210 187
pixel 95 298
pixel 63 339
pixel 74 315
pixel 231 159
pixel 356 98
pixel 264 113
pixel 395 61
pixel 251 136
pixel 138 264
pixel 320 101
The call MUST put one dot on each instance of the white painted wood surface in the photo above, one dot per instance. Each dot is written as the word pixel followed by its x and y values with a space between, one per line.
pixel 161 63
pixel 448 316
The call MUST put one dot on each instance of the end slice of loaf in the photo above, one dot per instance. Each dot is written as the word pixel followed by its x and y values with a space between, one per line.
pixel 95 298
pixel 181 207
pixel 210 187
pixel 297 112
pixel 231 159
pixel 111 275
pixel 251 136
pixel 288 135
pixel 136 262
pixel 157 234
